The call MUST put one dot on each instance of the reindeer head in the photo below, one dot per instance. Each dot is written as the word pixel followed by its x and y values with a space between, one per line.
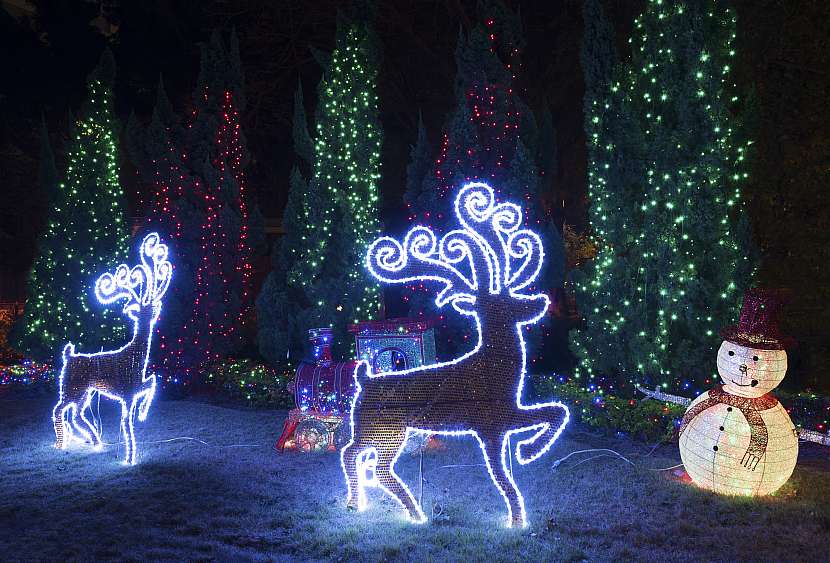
pixel 142 286
pixel 483 266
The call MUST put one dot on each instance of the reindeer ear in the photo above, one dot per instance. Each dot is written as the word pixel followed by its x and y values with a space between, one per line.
pixel 534 306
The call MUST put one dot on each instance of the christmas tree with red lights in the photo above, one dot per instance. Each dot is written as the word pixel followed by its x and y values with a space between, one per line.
pixel 200 203
pixel 488 138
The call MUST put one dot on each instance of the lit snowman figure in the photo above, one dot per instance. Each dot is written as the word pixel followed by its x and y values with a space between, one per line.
pixel 737 439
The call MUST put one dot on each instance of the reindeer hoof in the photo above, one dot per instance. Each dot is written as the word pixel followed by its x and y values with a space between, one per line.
pixel 517 523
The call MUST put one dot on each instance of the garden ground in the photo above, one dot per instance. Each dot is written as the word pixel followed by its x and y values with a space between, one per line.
pixel 234 498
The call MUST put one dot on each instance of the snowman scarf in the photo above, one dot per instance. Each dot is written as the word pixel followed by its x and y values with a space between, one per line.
pixel 750 408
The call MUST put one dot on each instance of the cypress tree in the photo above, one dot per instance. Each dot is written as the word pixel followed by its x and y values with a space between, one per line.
pixel 345 172
pixel 201 201
pixel 486 138
pixel 282 306
pixel 420 164
pixel 666 166
pixel 86 235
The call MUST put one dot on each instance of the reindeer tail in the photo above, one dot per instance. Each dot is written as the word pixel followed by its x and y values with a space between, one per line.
pixel 550 419
pixel 68 350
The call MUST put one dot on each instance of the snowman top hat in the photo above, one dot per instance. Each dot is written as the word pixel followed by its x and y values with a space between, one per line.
pixel 758 326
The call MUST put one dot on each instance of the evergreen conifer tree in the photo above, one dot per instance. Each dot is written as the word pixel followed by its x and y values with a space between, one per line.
pixel 177 210
pixel 666 166
pixel 420 165
pixel 282 306
pixel 48 179
pixel 345 174
pixel 485 139
pixel 86 234
pixel 201 201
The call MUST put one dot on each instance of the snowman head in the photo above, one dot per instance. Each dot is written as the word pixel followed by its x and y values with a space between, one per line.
pixel 750 372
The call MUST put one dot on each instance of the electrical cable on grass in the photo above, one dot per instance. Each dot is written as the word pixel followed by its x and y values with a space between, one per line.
pixel 665 468
pixel 610 453
pixel 190 439
pixel 622 457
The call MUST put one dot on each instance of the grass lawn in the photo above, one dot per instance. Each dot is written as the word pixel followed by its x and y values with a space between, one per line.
pixel 237 499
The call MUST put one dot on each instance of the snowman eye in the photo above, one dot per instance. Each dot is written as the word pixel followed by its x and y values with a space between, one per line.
pixel 755 358
pixel 731 353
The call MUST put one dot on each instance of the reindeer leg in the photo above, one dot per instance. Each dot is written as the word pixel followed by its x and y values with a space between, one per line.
pixel 356 493
pixel 385 472
pixel 86 405
pixel 57 419
pixel 502 478
pixel 127 432
pixel 75 426
pixel 131 424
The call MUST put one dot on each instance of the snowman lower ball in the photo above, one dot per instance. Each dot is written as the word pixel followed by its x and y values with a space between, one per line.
pixel 737 439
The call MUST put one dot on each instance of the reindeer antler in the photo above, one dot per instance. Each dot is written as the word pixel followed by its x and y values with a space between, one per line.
pixel 121 285
pixel 490 245
pixel 474 207
pixel 161 271
pixel 422 258
pixel 516 254
pixel 141 285
pixel 524 257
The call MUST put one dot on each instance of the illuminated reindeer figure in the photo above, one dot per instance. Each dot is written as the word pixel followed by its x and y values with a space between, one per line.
pixel 483 266
pixel 119 374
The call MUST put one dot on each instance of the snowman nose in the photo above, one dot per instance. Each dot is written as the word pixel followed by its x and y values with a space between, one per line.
pixel 742 368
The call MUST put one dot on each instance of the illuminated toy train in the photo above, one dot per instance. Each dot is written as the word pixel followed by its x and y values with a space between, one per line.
pixel 323 389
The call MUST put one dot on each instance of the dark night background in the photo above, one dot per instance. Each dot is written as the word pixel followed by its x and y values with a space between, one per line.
pixel 48 47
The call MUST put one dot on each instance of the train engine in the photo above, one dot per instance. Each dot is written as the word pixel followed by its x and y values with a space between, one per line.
pixel 323 389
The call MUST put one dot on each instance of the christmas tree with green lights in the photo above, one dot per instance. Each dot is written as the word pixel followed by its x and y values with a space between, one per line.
pixel 86 235
pixel 345 173
pixel 667 163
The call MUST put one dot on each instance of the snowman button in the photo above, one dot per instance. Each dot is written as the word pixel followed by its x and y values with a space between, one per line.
pixel 715 448
pixel 721 428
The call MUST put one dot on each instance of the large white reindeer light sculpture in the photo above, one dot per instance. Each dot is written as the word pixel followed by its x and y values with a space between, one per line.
pixel 119 374
pixel 484 267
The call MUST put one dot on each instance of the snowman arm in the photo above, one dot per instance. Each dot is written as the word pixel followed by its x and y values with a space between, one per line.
pixel 660 396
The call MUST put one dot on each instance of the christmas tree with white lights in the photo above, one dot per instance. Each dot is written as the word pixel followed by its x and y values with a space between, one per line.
pixel 667 163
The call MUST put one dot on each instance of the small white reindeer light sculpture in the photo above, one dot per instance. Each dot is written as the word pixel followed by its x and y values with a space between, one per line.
pixel 486 270
pixel 119 374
